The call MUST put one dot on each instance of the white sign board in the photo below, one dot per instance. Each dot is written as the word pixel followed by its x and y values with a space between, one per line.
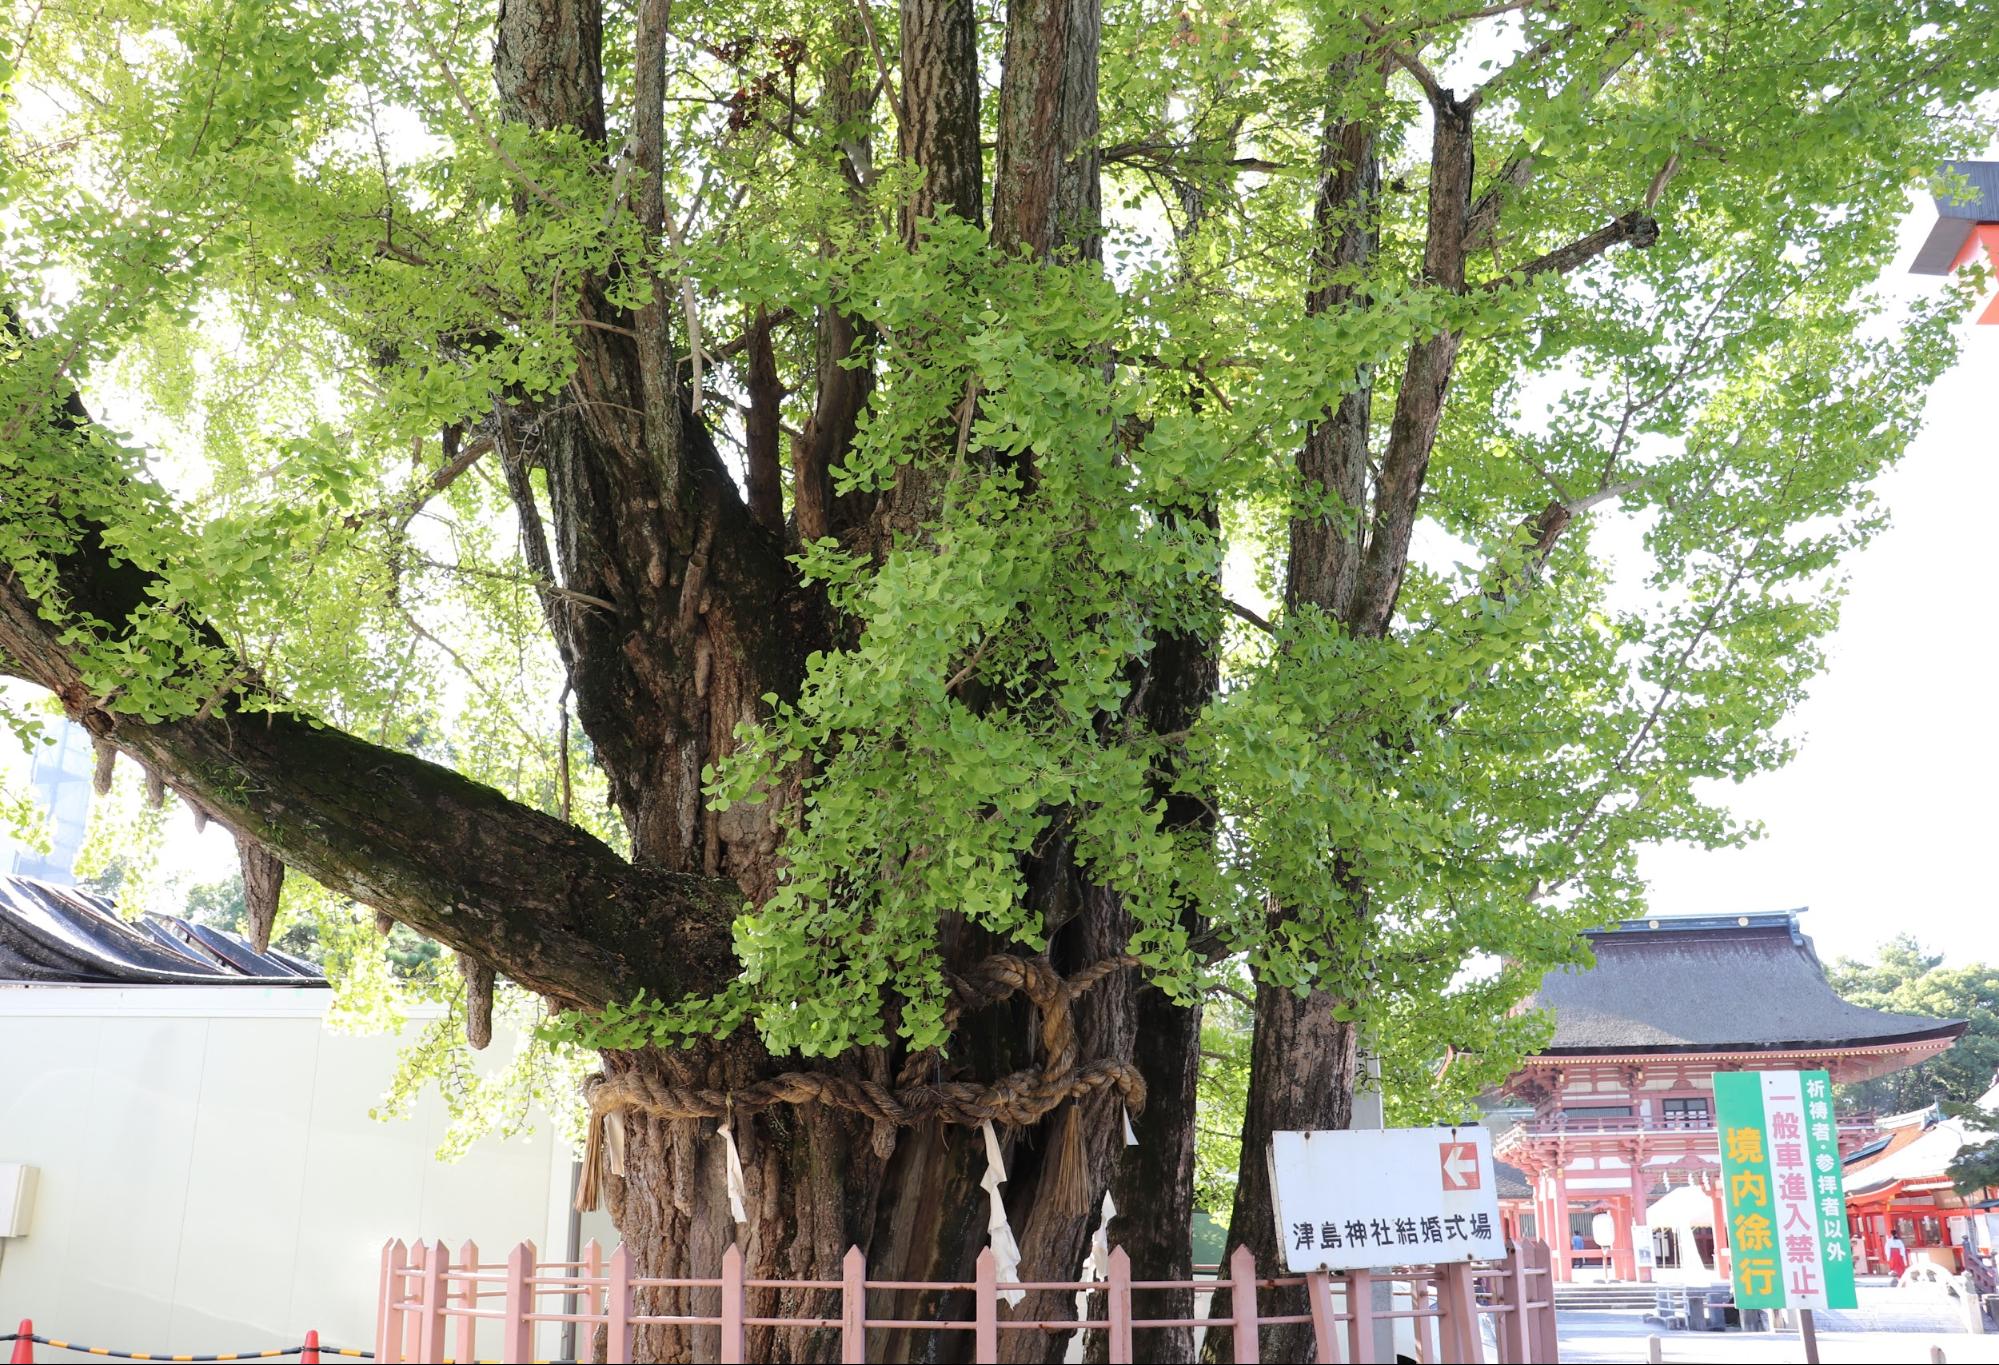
pixel 1397 1196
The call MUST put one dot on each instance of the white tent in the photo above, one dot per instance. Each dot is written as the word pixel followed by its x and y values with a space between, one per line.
pixel 1679 1211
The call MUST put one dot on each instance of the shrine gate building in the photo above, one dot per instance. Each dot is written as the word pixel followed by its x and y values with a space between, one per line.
pixel 1617 1111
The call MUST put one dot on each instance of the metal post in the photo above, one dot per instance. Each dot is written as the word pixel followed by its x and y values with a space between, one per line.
pixel 1370 1113
pixel 1809 1330
pixel 1655 1348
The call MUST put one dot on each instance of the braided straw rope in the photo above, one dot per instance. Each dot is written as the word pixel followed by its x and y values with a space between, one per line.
pixel 1020 1098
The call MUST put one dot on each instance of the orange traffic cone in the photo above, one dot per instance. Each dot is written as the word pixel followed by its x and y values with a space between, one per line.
pixel 310 1355
pixel 24 1344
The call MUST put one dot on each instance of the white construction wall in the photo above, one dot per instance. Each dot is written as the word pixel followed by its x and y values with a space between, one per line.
pixel 209 1178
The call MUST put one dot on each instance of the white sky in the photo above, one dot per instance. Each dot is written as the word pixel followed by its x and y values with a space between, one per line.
pixel 1880 824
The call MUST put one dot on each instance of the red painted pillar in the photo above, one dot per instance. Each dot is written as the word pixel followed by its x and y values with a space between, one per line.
pixel 24 1344
pixel 1623 1263
pixel 1721 1258
pixel 1558 1229
pixel 1641 1186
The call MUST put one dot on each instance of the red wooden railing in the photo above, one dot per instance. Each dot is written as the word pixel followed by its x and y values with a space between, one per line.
pixel 433 1300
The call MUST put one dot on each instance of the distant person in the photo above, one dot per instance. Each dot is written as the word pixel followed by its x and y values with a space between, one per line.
pixel 1898 1254
pixel 1576 1241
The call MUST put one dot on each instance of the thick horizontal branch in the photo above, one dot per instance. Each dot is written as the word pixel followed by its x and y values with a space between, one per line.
pixel 1634 228
pixel 541 901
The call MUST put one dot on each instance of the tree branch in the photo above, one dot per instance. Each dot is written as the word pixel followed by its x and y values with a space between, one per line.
pixel 1634 228
pixel 1498 79
pixel 543 902
pixel 1426 378
pixel 1409 62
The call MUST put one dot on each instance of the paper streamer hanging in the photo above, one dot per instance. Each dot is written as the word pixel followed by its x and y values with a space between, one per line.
pixel 1130 1135
pixel 614 1142
pixel 1097 1265
pixel 1006 1251
pixel 735 1161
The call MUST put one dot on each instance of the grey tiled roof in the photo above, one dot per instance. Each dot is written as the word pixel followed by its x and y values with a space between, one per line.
pixel 1956 218
pixel 1703 982
pixel 63 936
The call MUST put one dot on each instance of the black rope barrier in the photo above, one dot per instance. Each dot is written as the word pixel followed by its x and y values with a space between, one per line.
pixel 350 1352
pixel 61 1345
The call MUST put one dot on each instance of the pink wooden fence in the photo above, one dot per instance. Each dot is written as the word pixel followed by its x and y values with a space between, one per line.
pixel 432 1301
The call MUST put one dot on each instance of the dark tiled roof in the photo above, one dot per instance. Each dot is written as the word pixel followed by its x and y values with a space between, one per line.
pixel 1511 1181
pixel 1704 982
pixel 61 936
pixel 1957 218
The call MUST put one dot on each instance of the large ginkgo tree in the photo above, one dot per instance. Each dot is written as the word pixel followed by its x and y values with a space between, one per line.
pixel 873 558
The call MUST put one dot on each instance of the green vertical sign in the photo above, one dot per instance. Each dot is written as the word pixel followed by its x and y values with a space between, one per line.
pixel 1745 1187
pixel 1828 1189
pixel 1782 1190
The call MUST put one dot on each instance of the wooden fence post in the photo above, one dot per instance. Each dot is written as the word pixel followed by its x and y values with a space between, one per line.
pixel 1546 1327
pixel 593 1268
pixel 732 1306
pixel 1360 1317
pixel 1242 1305
pixel 618 1307
pixel 388 1322
pixel 467 1331
pixel 985 1310
pixel 430 1318
pixel 853 1305
pixel 1117 1307
pixel 516 1331
pixel 412 1347
pixel 1514 1296
pixel 1459 1300
pixel 1319 1293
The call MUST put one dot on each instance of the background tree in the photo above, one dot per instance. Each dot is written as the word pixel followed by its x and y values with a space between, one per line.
pixel 873 592
pixel 1909 979
pixel 1976 1168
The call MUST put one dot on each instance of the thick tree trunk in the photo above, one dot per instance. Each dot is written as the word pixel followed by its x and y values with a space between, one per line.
pixel 673 607
pixel 1302 1068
